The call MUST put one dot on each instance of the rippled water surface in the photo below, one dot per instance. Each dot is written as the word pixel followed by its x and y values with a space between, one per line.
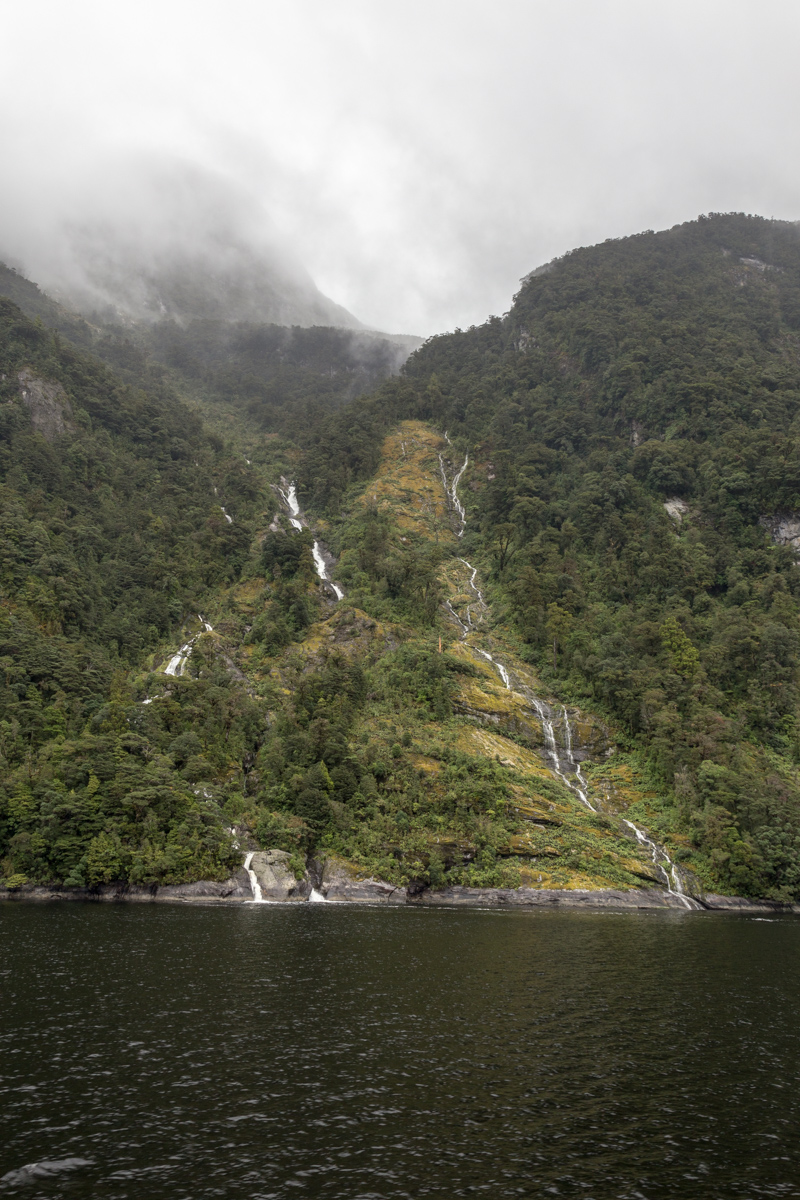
pixel 266 1051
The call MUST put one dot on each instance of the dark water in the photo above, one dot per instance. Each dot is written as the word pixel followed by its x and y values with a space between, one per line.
pixel 351 1053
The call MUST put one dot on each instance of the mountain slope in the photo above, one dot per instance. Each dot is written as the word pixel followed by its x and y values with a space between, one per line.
pixel 226 279
pixel 112 532
pixel 633 428
pixel 245 379
pixel 340 730
pixel 568 613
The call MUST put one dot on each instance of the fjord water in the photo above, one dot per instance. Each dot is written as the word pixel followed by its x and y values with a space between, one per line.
pixel 319 1050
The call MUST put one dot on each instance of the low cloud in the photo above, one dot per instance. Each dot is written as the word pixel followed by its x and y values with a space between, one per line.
pixel 417 161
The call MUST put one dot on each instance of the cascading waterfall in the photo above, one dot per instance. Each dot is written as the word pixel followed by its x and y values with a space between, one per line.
pixel 456 617
pixel 501 670
pixel 663 863
pixel 317 897
pixel 178 661
pixel 472 583
pixel 255 886
pixel 572 776
pixel 452 489
pixel 289 498
pixel 545 714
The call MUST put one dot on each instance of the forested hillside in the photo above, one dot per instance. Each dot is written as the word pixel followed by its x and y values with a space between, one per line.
pixel 633 425
pixel 246 379
pixel 112 534
pixel 623 564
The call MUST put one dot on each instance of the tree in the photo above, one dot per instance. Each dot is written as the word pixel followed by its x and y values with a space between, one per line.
pixel 559 626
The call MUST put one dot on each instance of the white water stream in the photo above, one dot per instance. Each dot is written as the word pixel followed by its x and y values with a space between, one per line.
pixel 563 762
pixel 255 886
pixel 178 661
pixel 289 498
pixel 664 864
pixel 452 491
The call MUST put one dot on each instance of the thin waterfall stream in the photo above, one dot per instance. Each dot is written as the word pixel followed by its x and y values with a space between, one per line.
pixel 255 886
pixel 289 497
pixel 178 661
pixel 563 763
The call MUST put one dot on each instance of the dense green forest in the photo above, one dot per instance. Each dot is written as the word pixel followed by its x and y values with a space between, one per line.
pixel 632 428
pixel 111 534
pixel 662 367
pixel 245 379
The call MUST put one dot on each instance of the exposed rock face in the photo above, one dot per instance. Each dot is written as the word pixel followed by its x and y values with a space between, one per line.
pixel 465 897
pixel 784 529
pixel 590 737
pixel 676 508
pixel 276 878
pixel 340 883
pixel 48 404
pixel 205 890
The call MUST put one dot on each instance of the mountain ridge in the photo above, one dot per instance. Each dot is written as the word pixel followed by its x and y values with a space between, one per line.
pixel 661 370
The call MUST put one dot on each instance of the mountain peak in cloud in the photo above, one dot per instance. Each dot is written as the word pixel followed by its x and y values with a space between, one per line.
pixel 154 241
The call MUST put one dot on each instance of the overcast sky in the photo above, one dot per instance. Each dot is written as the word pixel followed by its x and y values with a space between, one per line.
pixel 418 158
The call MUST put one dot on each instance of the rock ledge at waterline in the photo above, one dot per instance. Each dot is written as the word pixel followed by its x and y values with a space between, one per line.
pixel 376 891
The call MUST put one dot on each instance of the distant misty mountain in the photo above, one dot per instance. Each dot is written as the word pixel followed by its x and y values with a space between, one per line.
pixel 152 240
pixel 223 279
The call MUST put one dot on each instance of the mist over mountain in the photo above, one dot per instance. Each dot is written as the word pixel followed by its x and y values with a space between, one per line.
pixel 163 240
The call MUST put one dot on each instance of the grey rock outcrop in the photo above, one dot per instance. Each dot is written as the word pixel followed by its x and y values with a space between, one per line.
pixel 341 887
pixel 340 884
pixel 49 407
pixel 676 508
pixel 204 890
pixel 784 529
pixel 633 898
pixel 276 878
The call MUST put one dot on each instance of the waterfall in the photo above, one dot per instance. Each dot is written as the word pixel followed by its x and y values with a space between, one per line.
pixel 317 897
pixel 289 498
pixel 501 670
pixel 664 864
pixel 545 714
pixel 178 661
pixel 456 617
pixel 473 577
pixel 226 514
pixel 452 489
pixel 255 886
pixel 572 776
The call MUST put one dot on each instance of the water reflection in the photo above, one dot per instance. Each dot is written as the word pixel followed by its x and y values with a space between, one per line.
pixel 262 1051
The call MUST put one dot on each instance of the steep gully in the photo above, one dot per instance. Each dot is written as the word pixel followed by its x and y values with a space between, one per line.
pixel 289 497
pixel 563 762
pixel 177 663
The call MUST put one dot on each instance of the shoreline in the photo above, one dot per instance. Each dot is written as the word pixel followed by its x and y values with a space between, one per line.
pixel 376 892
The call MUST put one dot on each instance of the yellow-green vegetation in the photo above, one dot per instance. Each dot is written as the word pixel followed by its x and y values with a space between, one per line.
pixel 371 729
pixel 633 479
pixel 408 483
pixel 632 499
pixel 393 743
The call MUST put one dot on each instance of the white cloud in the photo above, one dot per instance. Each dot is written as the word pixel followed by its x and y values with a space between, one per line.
pixel 419 158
